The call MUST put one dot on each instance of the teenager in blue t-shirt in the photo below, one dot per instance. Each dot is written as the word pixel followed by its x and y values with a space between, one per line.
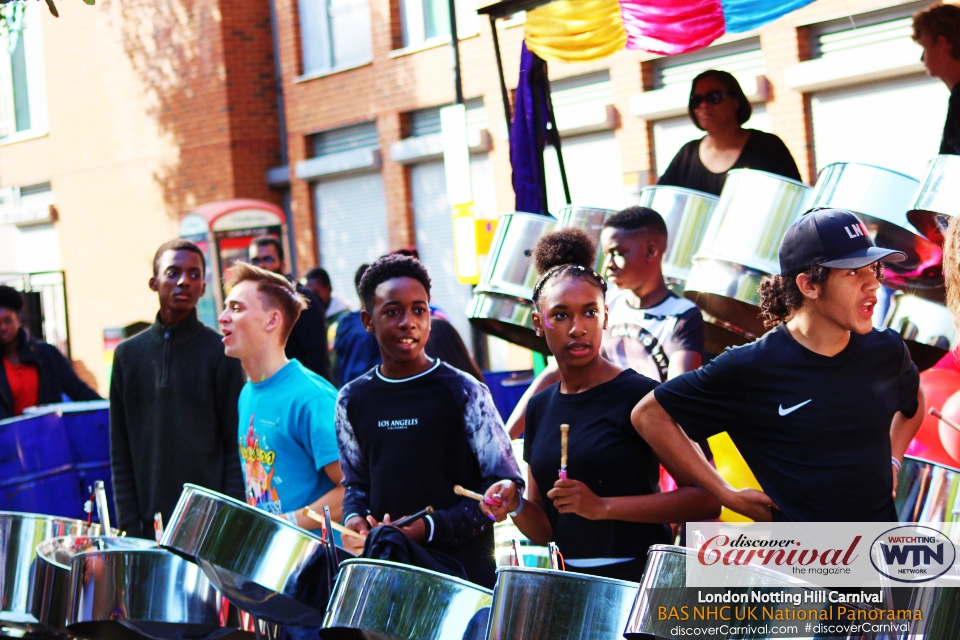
pixel 822 407
pixel 287 438
pixel 607 510
pixel 412 428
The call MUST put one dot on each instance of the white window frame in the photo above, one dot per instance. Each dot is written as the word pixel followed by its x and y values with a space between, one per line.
pixel 36 80
pixel 413 23
pixel 315 23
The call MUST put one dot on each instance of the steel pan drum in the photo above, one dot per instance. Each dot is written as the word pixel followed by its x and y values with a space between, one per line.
pixel 687 215
pixel 380 600
pixel 926 326
pixel 503 300
pixel 590 220
pixel 941 610
pixel 741 245
pixel 20 533
pixel 938 198
pixel 150 591
pixel 254 558
pixel 529 604
pixel 666 570
pixel 52 596
pixel 881 198
pixel 927 492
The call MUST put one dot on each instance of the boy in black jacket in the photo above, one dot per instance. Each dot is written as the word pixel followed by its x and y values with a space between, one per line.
pixel 412 428
pixel 173 401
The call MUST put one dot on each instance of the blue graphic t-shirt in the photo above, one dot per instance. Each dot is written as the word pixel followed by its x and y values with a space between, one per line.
pixel 287 436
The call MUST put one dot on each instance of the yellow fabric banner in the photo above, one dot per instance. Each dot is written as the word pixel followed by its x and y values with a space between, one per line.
pixel 575 30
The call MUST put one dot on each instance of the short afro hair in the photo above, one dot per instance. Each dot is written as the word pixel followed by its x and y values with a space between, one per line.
pixel 177 244
pixel 566 252
pixel 388 268
pixel 10 298
pixel 744 110
pixel 637 219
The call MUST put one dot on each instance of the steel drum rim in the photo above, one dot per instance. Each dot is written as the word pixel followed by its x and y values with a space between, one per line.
pixel 41 516
pixel 868 165
pixel 413 569
pixel 916 458
pixel 46 557
pixel 246 507
pixel 776 176
pixel 684 190
pixel 573 575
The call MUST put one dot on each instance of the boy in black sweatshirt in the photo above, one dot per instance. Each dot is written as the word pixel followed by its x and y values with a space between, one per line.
pixel 173 401
pixel 412 428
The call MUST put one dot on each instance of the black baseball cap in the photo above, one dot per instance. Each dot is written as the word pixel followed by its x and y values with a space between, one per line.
pixel 832 238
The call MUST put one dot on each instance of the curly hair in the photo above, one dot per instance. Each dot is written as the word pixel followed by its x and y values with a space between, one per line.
pixel 744 110
pixel 387 268
pixel 569 251
pixel 10 299
pixel 780 297
pixel 937 20
pixel 951 267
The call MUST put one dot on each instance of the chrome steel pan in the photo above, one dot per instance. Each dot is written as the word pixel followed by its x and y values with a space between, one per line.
pixel 938 198
pixel 741 245
pixel 503 300
pixel 150 591
pixel 590 220
pixel 687 215
pixel 52 595
pixel 664 584
pixel 926 326
pixel 20 533
pixel 530 604
pixel 941 611
pixel 254 558
pixel 881 198
pixel 377 599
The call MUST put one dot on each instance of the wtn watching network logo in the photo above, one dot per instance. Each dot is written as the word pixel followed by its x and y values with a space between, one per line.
pixel 912 553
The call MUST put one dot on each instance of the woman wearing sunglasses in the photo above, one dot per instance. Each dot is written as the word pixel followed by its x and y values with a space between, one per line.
pixel 717 105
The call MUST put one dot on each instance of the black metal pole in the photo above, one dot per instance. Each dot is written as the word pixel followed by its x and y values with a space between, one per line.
pixel 555 141
pixel 455 43
pixel 507 110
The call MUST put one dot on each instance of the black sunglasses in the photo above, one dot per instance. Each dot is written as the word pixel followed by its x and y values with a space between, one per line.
pixel 710 97
pixel 257 260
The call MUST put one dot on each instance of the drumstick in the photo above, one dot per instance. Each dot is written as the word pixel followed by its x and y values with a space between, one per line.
pixel 313 515
pixel 564 437
pixel 466 493
pixel 404 522
pixel 947 421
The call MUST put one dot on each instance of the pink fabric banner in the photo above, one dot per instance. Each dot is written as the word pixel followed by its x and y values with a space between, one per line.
pixel 670 27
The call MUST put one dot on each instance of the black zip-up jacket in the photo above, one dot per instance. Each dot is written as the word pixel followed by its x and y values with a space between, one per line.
pixel 173 419
pixel 54 374
pixel 308 338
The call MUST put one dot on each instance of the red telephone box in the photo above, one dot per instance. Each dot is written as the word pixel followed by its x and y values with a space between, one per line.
pixel 224 230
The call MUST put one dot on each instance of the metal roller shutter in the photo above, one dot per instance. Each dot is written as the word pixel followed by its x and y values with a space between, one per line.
pixel 352 220
pixel 433 220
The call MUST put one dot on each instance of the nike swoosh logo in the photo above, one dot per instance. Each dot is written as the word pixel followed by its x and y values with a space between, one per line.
pixel 785 412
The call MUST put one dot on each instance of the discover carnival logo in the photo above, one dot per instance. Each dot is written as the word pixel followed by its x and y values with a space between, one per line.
pixel 912 553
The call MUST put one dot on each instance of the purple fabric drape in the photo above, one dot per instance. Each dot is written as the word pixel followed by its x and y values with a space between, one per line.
pixel 528 133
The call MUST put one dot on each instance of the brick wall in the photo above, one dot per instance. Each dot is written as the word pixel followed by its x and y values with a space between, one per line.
pixel 154 108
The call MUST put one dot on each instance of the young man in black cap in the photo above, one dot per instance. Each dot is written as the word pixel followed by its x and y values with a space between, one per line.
pixel 822 407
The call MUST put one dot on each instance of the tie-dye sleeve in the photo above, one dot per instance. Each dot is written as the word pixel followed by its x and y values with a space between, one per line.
pixel 490 444
pixel 353 464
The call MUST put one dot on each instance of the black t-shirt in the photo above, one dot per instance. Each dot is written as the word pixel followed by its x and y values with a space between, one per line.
pixel 404 444
pixel 814 429
pixel 605 453
pixel 763 151
pixel 950 143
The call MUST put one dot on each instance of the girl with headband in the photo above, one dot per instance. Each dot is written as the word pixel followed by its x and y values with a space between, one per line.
pixel 608 511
